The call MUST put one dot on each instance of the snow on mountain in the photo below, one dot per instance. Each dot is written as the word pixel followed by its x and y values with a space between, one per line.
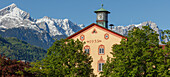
pixel 58 26
pixel 13 11
pixel 13 17
pixel 15 22
pixel 124 29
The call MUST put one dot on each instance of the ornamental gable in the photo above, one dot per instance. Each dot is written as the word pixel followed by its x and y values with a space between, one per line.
pixel 93 30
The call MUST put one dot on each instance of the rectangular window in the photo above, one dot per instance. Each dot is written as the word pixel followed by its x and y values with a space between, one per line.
pixel 100 66
pixel 101 50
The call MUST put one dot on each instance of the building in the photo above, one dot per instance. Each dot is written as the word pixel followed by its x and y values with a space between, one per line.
pixel 99 40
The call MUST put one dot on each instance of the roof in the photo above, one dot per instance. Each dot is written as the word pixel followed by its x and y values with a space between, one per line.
pixel 101 10
pixel 93 24
pixel 163 46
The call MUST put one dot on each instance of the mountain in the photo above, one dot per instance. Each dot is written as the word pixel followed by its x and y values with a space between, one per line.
pixel 20 50
pixel 124 29
pixel 40 32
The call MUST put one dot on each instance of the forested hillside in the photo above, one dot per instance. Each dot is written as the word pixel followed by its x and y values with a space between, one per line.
pixel 20 50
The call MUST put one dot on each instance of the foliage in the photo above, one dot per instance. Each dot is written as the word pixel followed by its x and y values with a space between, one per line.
pixel 64 58
pixel 166 33
pixel 20 50
pixel 31 36
pixel 13 68
pixel 167 47
pixel 138 56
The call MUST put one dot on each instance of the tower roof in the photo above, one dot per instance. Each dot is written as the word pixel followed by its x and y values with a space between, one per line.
pixel 101 10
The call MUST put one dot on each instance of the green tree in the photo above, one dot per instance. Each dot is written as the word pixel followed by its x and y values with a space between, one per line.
pixel 138 56
pixel 64 58
pixel 20 50
pixel 167 47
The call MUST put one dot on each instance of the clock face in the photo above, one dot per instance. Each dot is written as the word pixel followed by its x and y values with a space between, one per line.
pixel 100 16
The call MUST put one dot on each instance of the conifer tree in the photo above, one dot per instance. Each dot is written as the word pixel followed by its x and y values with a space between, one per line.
pixel 64 58
pixel 138 56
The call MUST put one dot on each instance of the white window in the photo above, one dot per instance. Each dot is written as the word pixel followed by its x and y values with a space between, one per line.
pixel 100 66
pixel 101 49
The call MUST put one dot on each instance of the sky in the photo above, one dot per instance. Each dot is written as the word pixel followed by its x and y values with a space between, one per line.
pixel 123 12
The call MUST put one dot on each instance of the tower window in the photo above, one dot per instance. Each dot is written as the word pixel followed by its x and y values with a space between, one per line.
pixel 101 49
pixel 100 67
pixel 87 49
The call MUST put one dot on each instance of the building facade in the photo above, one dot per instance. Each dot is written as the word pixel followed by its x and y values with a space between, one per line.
pixel 99 40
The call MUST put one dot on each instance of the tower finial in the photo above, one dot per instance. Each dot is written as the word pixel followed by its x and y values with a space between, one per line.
pixel 102 5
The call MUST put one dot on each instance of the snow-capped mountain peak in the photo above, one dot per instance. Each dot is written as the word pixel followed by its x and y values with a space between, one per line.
pixel 46 17
pixel 124 29
pixel 15 22
pixel 12 17
pixel 13 11
pixel 13 5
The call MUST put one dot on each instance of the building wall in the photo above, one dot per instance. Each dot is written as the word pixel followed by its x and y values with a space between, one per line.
pixel 94 40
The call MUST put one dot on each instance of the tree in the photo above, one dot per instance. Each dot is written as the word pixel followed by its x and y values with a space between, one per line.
pixel 138 56
pixel 64 58
pixel 13 68
pixel 20 50
pixel 167 47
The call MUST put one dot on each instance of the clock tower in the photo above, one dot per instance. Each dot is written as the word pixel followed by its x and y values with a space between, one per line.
pixel 102 17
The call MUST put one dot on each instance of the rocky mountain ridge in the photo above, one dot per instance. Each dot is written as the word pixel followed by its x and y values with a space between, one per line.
pixel 124 29
pixel 42 32
pixel 15 22
pixel 12 17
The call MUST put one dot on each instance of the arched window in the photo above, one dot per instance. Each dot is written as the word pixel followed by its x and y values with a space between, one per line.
pixel 100 67
pixel 101 50
pixel 100 64
pixel 87 49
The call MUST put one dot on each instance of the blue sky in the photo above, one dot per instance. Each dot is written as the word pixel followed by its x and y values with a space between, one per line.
pixel 123 12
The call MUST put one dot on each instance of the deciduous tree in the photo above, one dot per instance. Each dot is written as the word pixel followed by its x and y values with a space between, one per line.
pixel 13 68
pixel 138 56
pixel 64 58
